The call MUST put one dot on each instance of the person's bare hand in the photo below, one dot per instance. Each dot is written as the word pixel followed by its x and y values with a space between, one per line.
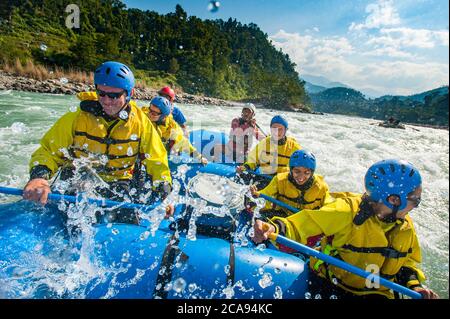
pixel 37 190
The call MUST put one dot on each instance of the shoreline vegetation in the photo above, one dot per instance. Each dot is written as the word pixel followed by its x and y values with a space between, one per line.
pixel 29 77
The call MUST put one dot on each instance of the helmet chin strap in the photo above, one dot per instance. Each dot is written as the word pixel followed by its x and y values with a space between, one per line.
pixel 392 217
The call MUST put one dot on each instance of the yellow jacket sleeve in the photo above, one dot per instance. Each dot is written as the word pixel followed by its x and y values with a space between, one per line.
pixel 156 160
pixel 270 190
pixel 332 219
pixel 181 143
pixel 253 156
pixel 53 149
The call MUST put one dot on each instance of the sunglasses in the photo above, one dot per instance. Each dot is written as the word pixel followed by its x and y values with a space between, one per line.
pixel 416 201
pixel 154 113
pixel 111 95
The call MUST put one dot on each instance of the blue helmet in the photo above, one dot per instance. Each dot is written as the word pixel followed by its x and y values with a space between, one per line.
pixel 163 105
pixel 115 74
pixel 280 120
pixel 391 177
pixel 303 158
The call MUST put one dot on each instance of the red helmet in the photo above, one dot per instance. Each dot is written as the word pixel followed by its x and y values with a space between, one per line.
pixel 167 91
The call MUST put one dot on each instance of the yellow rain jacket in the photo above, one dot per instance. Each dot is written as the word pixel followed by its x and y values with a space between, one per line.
pixel 390 248
pixel 271 157
pixel 282 189
pixel 112 147
pixel 172 135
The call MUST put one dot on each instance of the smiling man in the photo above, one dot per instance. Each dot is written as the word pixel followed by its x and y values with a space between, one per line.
pixel 107 133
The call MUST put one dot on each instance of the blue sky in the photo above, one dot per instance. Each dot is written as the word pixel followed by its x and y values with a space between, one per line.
pixel 376 46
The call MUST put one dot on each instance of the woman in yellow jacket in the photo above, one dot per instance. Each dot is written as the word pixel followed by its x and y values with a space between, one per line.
pixel 300 187
pixel 170 132
pixel 371 231
pixel 272 153
pixel 108 133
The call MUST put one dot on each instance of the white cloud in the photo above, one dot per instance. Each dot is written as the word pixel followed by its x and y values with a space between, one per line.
pixel 382 13
pixel 406 37
pixel 338 60
pixel 316 29
pixel 401 77
pixel 390 52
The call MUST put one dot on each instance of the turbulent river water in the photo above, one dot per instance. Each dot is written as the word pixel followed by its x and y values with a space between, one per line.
pixel 344 147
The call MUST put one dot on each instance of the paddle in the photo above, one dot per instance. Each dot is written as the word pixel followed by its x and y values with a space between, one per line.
pixel 279 203
pixel 260 129
pixel 341 264
pixel 74 199
pixel 258 174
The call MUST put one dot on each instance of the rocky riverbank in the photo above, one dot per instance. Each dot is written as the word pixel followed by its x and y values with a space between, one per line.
pixel 64 86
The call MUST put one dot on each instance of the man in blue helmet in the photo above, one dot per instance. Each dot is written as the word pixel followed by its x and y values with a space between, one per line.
pixel 107 133
pixel 271 155
pixel 365 230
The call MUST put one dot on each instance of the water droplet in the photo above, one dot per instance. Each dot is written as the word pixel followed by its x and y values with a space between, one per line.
pixel 391 185
pixel 134 137
pixel 35 163
pixel 130 151
pixel 73 108
pixel 307 295
pixel 227 269
pixel 277 271
pixel 192 287
pixel 119 147
pixel 179 285
pixel 144 235
pixel 147 156
pixel 213 6
pixel 19 127
pixel 141 35
pixel 115 231
pixel 266 280
pixel 43 47
pixel 333 297
pixel 125 256
pixel 63 80
pixel 123 115
pixel 181 47
pixel 318 296
pixel 278 293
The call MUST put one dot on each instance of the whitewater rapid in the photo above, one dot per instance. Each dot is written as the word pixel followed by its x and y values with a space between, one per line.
pixel 344 147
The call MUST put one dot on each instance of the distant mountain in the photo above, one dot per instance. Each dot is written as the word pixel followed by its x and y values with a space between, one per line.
pixel 322 81
pixel 420 97
pixel 430 107
pixel 312 88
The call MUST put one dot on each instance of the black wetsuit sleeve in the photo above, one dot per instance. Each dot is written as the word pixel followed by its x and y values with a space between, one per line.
pixel 40 171
pixel 408 277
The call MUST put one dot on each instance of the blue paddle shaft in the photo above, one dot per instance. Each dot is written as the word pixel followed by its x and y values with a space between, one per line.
pixel 74 199
pixel 343 265
pixel 279 203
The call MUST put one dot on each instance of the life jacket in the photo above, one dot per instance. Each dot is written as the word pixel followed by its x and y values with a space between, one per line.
pixel 272 157
pixel 284 190
pixel 387 247
pixel 172 135
pixel 241 135
pixel 116 139
pixel 110 145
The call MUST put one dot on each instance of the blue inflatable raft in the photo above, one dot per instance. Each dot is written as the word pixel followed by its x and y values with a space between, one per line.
pixel 40 258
